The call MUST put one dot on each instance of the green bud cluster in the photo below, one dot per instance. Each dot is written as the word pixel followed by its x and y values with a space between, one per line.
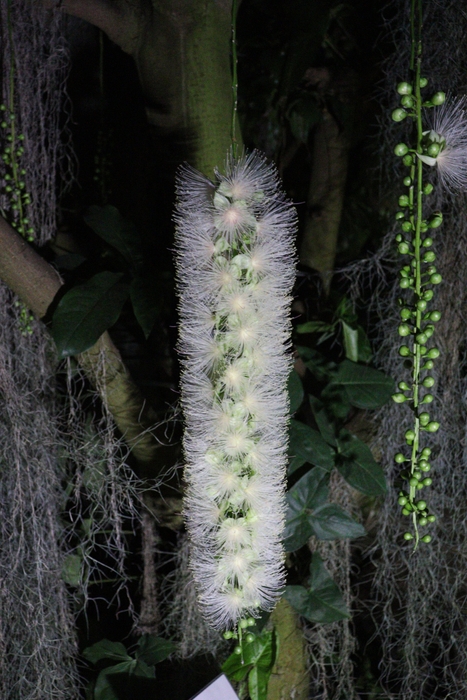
pixel 418 278
pixel 14 186
pixel 14 189
pixel 241 635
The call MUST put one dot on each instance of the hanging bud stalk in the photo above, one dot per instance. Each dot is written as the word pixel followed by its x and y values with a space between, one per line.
pixel 443 145
pixel 235 267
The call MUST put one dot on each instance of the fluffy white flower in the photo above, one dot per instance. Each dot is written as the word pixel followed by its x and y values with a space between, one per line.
pixel 235 267
pixel 445 143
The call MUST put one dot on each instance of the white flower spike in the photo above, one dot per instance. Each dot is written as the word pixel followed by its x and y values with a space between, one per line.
pixel 445 144
pixel 236 267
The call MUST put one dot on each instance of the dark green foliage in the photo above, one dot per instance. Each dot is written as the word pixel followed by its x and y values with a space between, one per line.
pixel 322 601
pixel 253 668
pixel 86 311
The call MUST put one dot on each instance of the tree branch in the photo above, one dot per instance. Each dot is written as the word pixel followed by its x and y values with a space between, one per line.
pixel 117 19
pixel 36 283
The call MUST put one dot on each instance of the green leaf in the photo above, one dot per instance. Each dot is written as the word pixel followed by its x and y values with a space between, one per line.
pixel 103 690
pixel 358 466
pixel 323 601
pixel 336 401
pixel 309 493
pixel 321 368
pixel 314 327
pixel 86 311
pixel 364 386
pixel 122 234
pixel 105 649
pixel 364 348
pixel 152 649
pixel 71 569
pixel 145 301
pixel 295 389
pixel 307 445
pixel 142 669
pixel 332 522
pixel 261 652
pixel 326 424
pixel 258 680
pixel 350 342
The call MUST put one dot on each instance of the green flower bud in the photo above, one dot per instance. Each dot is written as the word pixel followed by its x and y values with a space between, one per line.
pixel 413 481
pixel 431 518
pixel 405 511
pixel 433 354
pixel 404 351
pixel 399 215
pixel 403 386
pixel 428 398
pixel 408 159
pixel 423 521
pixel 406 226
pixel 250 637
pixel 438 98
pixel 399 398
pixel 402 500
pixel 401 149
pixel 436 221
pixel 427 243
pixel 421 505
pixel 404 329
pixel 404 88
pixel 424 465
pixel 398 237
pixel 228 634
pixel 433 149
pixel 237 650
pixel 435 316
pixel 426 539
pixel 427 481
pixel 428 382
pixel 409 435
pixel 429 256
pixel 428 295
pixel 428 188
pixel 405 314
pixel 399 115
pixel 403 248
pixel 407 181
pixel 432 427
pixel 421 304
pixel 421 338
pixel 403 200
pixel 436 278
pixel 408 101
pixel 399 458
pixel 408 536
pixel 424 418
pixel 404 283
pixel 243 624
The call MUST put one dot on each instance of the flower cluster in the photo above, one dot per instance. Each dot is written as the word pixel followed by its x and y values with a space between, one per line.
pixel 236 268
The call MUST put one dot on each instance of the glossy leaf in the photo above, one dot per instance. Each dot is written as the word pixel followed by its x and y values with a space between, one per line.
pixel 103 690
pixel 350 341
pixel 314 327
pixel 318 365
pixel 307 445
pixel 325 422
pixel 295 390
pixel 258 680
pixel 105 649
pixel 122 234
pixel 86 311
pixel 309 493
pixel 153 649
pixel 358 466
pixel 261 652
pixel 322 602
pixel 364 386
pixel 332 522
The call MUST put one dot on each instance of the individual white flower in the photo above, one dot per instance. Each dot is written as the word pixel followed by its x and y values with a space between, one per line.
pixel 235 267
pixel 445 143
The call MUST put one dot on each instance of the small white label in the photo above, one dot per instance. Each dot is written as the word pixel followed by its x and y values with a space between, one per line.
pixel 219 689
